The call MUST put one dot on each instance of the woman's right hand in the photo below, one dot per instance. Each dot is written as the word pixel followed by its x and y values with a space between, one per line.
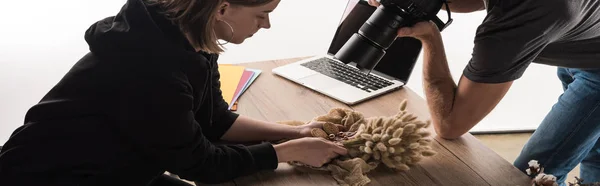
pixel 312 151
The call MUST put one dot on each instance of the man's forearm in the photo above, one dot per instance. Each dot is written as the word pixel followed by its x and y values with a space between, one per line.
pixel 439 87
pixel 245 129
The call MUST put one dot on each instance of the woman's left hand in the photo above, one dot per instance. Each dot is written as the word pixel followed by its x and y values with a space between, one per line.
pixel 306 128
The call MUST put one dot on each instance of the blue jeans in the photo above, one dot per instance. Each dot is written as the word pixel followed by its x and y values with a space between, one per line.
pixel 569 134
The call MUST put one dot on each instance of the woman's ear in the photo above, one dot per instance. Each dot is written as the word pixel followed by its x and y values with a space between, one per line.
pixel 222 9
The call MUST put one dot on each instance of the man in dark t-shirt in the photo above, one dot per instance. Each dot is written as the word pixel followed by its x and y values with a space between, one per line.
pixel 515 33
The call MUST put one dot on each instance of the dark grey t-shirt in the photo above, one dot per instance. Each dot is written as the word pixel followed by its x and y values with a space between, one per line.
pixel 514 33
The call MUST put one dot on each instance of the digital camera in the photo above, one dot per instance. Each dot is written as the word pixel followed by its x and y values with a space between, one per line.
pixel 376 35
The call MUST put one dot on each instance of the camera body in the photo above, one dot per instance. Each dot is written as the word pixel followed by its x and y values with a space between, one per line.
pixel 376 35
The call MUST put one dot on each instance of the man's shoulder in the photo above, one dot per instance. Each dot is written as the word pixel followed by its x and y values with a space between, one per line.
pixel 531 10
pixel 508 20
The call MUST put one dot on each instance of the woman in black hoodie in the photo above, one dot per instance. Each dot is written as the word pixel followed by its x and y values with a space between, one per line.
pixel 146 99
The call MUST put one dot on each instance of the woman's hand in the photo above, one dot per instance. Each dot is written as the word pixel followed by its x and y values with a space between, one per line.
pixel 422 30
pixel 305 129
pixel 312 151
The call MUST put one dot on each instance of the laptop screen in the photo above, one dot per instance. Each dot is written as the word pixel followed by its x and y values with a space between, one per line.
pixel 399 59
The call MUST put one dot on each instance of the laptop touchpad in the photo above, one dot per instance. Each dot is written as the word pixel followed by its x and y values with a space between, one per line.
pixel 319 81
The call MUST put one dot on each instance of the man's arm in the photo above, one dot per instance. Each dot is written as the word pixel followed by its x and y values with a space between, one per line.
pixel 507 41
pixel 454 109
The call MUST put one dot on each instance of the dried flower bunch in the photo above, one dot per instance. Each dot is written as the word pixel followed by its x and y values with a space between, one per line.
pixel 397 141
pixel 543 179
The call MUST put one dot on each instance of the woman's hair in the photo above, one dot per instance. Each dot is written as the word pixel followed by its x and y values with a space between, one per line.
pixel 196 19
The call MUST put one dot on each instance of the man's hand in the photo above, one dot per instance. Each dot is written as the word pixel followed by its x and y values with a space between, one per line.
pixel 374 3
pixel 421 30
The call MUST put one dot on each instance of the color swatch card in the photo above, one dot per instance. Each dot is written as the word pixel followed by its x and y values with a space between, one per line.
pixel 235 80
pixel 243 82
pixel 230 78
pixel 256 73
pixel 246 83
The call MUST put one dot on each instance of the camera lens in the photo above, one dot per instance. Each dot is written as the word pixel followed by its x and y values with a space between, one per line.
pixel 376 35
pixel 382 27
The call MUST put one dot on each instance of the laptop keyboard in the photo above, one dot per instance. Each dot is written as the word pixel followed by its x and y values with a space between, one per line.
pixel 347 74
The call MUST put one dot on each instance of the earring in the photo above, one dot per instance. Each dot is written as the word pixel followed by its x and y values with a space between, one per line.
pixel 232 32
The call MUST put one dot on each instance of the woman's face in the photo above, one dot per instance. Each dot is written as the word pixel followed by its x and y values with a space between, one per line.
pixel 245 21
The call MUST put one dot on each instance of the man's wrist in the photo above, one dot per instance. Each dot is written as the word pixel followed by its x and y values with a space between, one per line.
pixel 430 38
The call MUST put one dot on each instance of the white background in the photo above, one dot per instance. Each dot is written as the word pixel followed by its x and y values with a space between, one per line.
pixel 40 40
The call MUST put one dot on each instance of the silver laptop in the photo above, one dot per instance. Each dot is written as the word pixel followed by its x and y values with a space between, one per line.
pixel 344 82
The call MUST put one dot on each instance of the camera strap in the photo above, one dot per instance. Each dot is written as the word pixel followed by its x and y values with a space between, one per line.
pixel 438 22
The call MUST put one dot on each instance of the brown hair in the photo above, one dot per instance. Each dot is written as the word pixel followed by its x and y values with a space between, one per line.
pixel 196 19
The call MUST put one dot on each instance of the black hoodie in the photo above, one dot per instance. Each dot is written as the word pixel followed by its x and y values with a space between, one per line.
pixel 140 103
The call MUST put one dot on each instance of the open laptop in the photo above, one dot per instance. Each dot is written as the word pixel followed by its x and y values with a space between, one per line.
pixel 344 82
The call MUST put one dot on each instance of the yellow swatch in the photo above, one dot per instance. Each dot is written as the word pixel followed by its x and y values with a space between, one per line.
pixel 230 78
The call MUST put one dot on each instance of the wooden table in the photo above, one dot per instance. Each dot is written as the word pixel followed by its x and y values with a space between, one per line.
pixel 464 161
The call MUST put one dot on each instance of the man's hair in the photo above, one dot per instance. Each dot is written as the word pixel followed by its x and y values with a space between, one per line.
pixel 195 19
